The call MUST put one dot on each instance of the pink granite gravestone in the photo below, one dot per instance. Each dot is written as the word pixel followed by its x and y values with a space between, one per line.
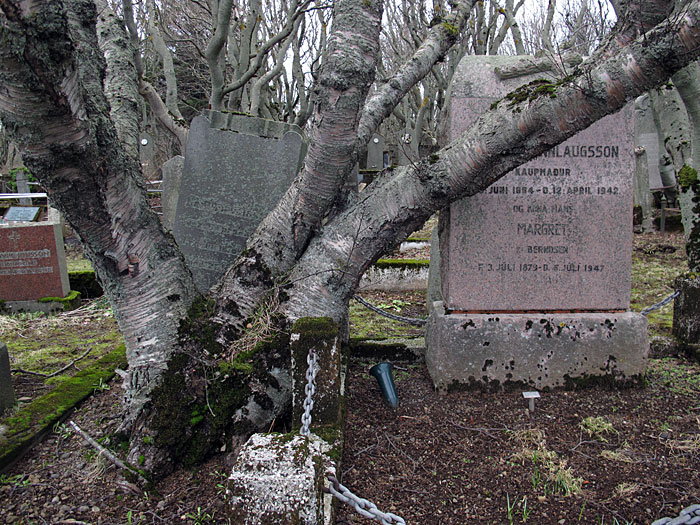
pixel 554 234
pixel 32 260
pixel 534 271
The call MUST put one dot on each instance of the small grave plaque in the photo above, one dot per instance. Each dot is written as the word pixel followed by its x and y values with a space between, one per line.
pixel 22 213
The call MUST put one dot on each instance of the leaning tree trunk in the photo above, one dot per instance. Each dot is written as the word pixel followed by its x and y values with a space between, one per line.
pixel 54 106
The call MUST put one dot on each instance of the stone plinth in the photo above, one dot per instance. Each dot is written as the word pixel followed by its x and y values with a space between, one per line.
pixel 235 171
pixel 548 244
pixel 32 260
pixel 321 335
pixel 686 311
pixel 538 351
pixel 279 478
pixel 7 393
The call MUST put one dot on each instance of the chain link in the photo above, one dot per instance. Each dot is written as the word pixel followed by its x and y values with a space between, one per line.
pixel 309 390
pixel 660 304
pixel 408 320
pixel 361 505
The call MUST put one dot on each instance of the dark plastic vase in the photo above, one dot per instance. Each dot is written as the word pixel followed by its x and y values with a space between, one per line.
pixel 382 372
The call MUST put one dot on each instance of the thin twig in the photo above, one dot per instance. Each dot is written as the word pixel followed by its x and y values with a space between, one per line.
pixel 22 371
pixel 106 453
pixel 482 430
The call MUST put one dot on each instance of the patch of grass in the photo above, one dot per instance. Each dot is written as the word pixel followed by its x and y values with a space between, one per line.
pixel 549 472
pixel 621 456
pixel 76 261
pixel 42 343
pixel 627 489
pixel 678 376
pixel 687 445
pixel 597 427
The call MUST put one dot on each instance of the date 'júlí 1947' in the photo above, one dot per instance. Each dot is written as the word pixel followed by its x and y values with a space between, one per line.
pixel 533 267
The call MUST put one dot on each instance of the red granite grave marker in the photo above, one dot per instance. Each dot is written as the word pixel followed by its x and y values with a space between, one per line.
pixel 32 262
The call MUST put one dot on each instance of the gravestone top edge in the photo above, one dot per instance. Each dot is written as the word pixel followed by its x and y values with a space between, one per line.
pixel 249 125
pixel 480 66
pixel 52 217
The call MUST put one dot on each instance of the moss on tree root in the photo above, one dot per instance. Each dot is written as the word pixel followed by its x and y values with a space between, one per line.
pixel 194 405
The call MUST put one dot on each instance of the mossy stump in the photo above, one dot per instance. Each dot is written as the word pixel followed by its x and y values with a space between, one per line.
pixel 686 310
pixel 321 334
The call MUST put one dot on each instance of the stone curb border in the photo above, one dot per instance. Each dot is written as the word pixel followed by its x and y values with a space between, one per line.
pixel 24 429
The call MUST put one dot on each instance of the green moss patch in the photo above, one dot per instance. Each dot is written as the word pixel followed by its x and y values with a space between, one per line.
pixel 69 302
pixel 687 176
pixel 26 426
pixel 402 263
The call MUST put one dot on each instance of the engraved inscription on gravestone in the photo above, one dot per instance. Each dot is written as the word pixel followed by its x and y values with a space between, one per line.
pixel 553 234
pixel 235 171
pixel 32 261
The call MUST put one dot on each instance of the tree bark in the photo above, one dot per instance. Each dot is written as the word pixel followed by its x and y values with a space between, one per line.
pixel 54 107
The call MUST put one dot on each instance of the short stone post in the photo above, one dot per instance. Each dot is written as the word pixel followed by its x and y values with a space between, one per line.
pixel 321 335
pixel 686 312
pixel 279 478
pixel 22 182
pixel 7 394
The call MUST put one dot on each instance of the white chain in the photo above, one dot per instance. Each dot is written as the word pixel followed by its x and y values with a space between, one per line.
pixel 361 505
pixel 309 390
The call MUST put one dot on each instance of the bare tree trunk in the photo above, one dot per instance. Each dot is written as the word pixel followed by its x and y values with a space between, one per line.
pixel 75 153
pixel 120 78
pixel 175 125
pixel 687 81
pixel 171 98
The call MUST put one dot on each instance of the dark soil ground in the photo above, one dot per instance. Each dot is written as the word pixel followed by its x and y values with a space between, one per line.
pixel 587 456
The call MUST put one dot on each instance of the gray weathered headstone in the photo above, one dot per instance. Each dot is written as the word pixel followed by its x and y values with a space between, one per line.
pixel 535 270
pixel 646 135
pixel 236 169
pixel 23 186
pixel 7 393
pixel 375 152
pixel 172 179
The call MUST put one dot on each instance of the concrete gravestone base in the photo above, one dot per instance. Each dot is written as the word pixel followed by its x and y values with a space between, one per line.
pixel 502 351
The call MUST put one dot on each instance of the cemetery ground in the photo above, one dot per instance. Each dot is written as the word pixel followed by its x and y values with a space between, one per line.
pixel 589 455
